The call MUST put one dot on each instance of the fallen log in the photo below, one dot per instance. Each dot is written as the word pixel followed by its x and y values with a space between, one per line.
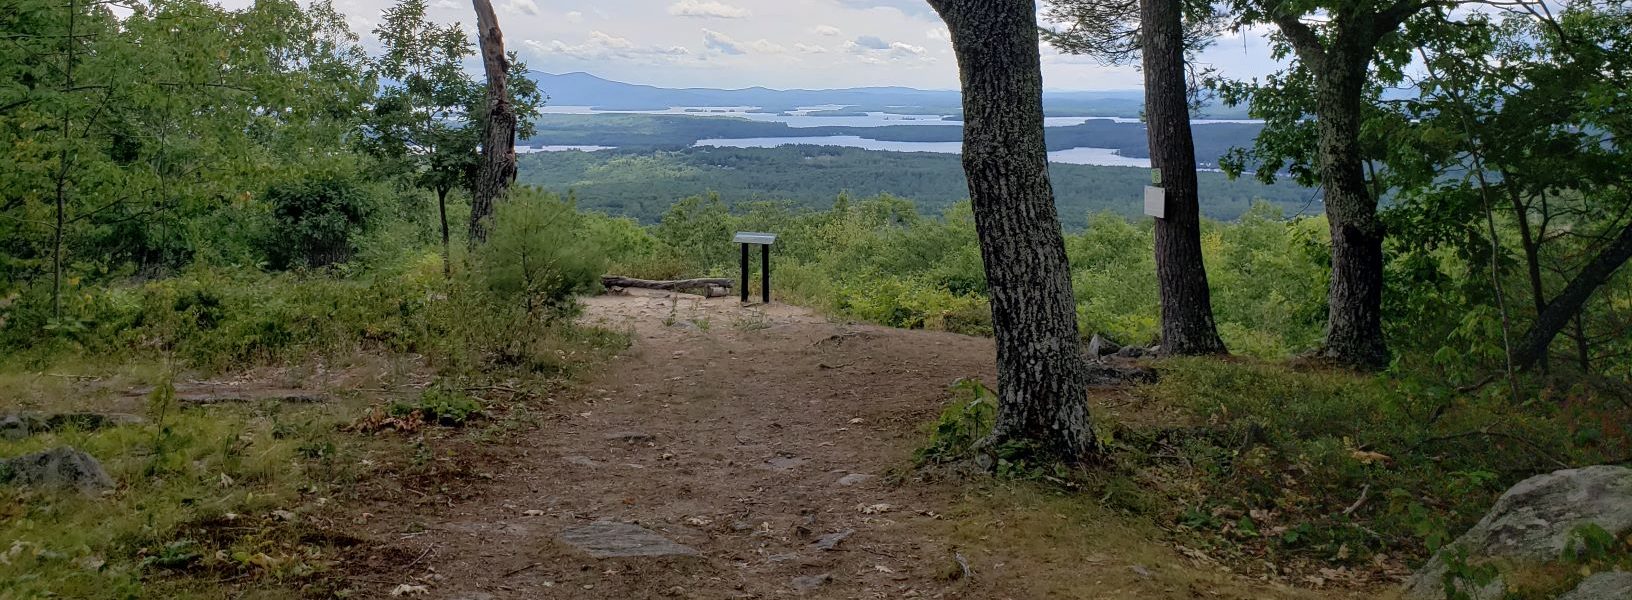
pixel 611 281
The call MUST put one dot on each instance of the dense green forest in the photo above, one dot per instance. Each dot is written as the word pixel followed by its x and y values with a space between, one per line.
pixel 671 132
pixel 644 184
pixel 203 210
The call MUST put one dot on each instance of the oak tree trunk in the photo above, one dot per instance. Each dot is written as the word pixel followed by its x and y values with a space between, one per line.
pixel 1042 377
pixel 1187 309
pixel 1354 326
pixel 498 164
pixel 1533 346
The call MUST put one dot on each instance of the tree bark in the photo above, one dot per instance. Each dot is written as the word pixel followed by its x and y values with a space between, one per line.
pixel 1187 308
pixel 498 164
pixel 1532 253
pixel 1568 303
pixel 447 253
pixel 1354 325
pixel 1042 378
pixel 664 284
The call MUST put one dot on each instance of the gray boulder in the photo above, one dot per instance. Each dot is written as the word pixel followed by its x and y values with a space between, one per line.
pixel 1534 522
pixel 62 467
pixel 1613 585
pixel 1130 352
pixel 1100 346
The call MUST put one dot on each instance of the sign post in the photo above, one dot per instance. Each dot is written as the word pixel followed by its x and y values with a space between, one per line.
pixel 764 241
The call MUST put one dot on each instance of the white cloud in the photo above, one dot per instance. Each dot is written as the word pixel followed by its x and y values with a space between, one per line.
pixel 721 43
pixel 810 48
pixel 602 46
pixel 526 7
pixel 446 4
pixel 724 44
pixel 572 16
pixel 872 49
pixel 706 9
pixel 827 30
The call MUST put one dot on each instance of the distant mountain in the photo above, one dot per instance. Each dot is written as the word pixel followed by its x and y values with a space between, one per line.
pixel 584 89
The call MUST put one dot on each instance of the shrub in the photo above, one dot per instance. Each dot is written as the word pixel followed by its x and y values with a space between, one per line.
pixel 537 255
pixel 316 220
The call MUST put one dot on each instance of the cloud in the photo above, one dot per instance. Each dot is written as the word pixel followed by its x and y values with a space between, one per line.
pixel 706 9
pixel 827 30
pixel 915 8
pixel 602 46
pixel 872 42
pixel 724 44
pixel 721 43
pixel 573 16
pixel 444 4
pixel 526 7
pixel 810 48
pixel 875 50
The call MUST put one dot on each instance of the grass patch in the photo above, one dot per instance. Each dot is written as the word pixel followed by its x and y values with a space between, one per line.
pixel 1305 469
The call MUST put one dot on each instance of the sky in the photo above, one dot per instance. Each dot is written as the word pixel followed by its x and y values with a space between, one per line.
pixel 771 43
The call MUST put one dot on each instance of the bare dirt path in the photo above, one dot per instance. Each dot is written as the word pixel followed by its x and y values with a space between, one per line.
pixel 750 436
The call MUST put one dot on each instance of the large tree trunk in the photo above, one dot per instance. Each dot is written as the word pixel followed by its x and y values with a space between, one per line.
pixel 1042 377
pixel 1354 326
pixel 1533 346
pixel 498 166
pixel 1187 308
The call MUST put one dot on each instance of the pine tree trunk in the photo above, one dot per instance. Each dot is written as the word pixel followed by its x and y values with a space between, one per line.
pixel 1568 303
pixel 498 164
pixel 1354 326
pixel 1187 309
pixel 1042 377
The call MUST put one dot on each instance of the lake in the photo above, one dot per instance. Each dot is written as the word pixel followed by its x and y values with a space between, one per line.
pixel 803 117
pixel 1105 157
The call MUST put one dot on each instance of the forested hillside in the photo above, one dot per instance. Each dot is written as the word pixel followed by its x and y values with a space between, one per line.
pixel 643 185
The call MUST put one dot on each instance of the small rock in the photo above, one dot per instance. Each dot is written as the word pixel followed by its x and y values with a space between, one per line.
pixel 784 463
pixel 62 467
pixel 1101 346
pixel 605 539
pixel 1130 352
pixel 1613 585
pixel 853 479
pixel 630 437
pixel 582 461
pixel 1141 571
pixel 831 540
pixel 811 582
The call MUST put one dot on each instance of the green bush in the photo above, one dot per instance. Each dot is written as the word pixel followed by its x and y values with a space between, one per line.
pixel 316 220
pixel 538 256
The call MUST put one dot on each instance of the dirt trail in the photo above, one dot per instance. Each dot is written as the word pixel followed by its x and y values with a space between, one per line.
pixel 727 429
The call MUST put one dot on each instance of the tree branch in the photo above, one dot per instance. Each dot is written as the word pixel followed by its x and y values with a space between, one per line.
pixel 1304 40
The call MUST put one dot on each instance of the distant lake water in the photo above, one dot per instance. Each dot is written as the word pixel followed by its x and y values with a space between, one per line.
pixel 532 149
pixel 803 117
pixel 1105 157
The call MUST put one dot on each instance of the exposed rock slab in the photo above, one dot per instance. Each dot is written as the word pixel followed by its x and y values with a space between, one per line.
pixel 62 467
pixel 15 426
pixel 1614 585
pixel 1534 522
pixel 606 539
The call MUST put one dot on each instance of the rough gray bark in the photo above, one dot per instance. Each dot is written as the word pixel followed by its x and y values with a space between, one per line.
pixel 1042 379
pixel 1187 307
pixel 1354 325
pixel 1533 346
pixel 498 165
